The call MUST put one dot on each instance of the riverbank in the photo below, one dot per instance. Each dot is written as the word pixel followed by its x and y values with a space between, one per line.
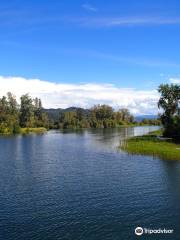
pixel 101 127
pixel 32 130
pixel 153 145
pixel 7 131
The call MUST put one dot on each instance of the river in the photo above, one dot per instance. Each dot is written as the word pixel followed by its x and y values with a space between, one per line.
pixel 80 186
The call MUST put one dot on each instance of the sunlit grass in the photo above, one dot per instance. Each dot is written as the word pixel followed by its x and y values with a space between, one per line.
pixel 33 130
pixel 151 145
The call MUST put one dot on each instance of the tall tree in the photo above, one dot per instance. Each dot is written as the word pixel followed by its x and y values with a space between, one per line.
pixel 169 101
pixel 26 111
pixel 40 117
pixel 9 114
pixel 12 103
pixel 102 112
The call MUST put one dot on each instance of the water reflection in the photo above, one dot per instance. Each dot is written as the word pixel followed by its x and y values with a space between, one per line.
pixel 113 138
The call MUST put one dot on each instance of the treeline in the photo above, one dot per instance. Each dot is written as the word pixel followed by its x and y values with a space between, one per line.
pixel 147 121
pixel 28 114
pixel 170 103
pixel 100 116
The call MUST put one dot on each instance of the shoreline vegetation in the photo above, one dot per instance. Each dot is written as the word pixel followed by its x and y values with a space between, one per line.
pixel 30 117
pixel 153 144
pixel 39 130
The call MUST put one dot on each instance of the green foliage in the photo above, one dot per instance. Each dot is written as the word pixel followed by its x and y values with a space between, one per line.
pixel 9 115
pixel 73 120
pixel 146 121
pixel 170 103
pixel 100 116
pixel 14 117
pixel 27 118
pixel 102 112
pixel 31 113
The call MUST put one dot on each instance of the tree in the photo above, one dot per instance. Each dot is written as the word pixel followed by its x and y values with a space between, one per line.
pixel 9 114
pixel 169 102
pixel 40 117
pixel 28 114
pixel 12 103
pixel 26 111
pixel 102 112
pixel 126 116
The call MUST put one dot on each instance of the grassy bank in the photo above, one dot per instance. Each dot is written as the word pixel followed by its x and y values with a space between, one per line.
pixel 152 145
pixel 33 130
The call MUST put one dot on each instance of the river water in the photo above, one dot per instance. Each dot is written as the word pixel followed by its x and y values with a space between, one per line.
pixel 80 186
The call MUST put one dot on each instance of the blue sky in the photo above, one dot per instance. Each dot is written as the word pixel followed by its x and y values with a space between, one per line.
pixel 129 44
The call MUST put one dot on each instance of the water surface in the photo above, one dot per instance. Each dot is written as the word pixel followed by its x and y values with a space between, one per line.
pixel 80 186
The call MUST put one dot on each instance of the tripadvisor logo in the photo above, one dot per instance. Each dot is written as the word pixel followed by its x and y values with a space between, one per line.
pixel 139 231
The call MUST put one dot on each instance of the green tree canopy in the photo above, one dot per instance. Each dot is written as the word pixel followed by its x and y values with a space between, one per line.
pixel 169 102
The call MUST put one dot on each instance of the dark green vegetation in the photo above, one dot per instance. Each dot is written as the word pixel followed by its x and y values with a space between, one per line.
pixel 153 145
pixel 100 116
pixel 24 118
pixel 170 103
pixel 29 116
pixel 146 121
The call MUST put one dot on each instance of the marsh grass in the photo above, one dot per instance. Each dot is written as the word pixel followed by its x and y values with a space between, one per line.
pixel 152 145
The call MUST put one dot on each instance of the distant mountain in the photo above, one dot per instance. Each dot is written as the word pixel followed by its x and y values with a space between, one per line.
pixel 141 117
pixel 55 113
pixel 74 109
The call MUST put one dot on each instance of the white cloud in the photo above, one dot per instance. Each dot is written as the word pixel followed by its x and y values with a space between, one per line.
pixel 19 17
pixel 89 7
pixel 174 80
pixel 127 21
pixel 62 95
